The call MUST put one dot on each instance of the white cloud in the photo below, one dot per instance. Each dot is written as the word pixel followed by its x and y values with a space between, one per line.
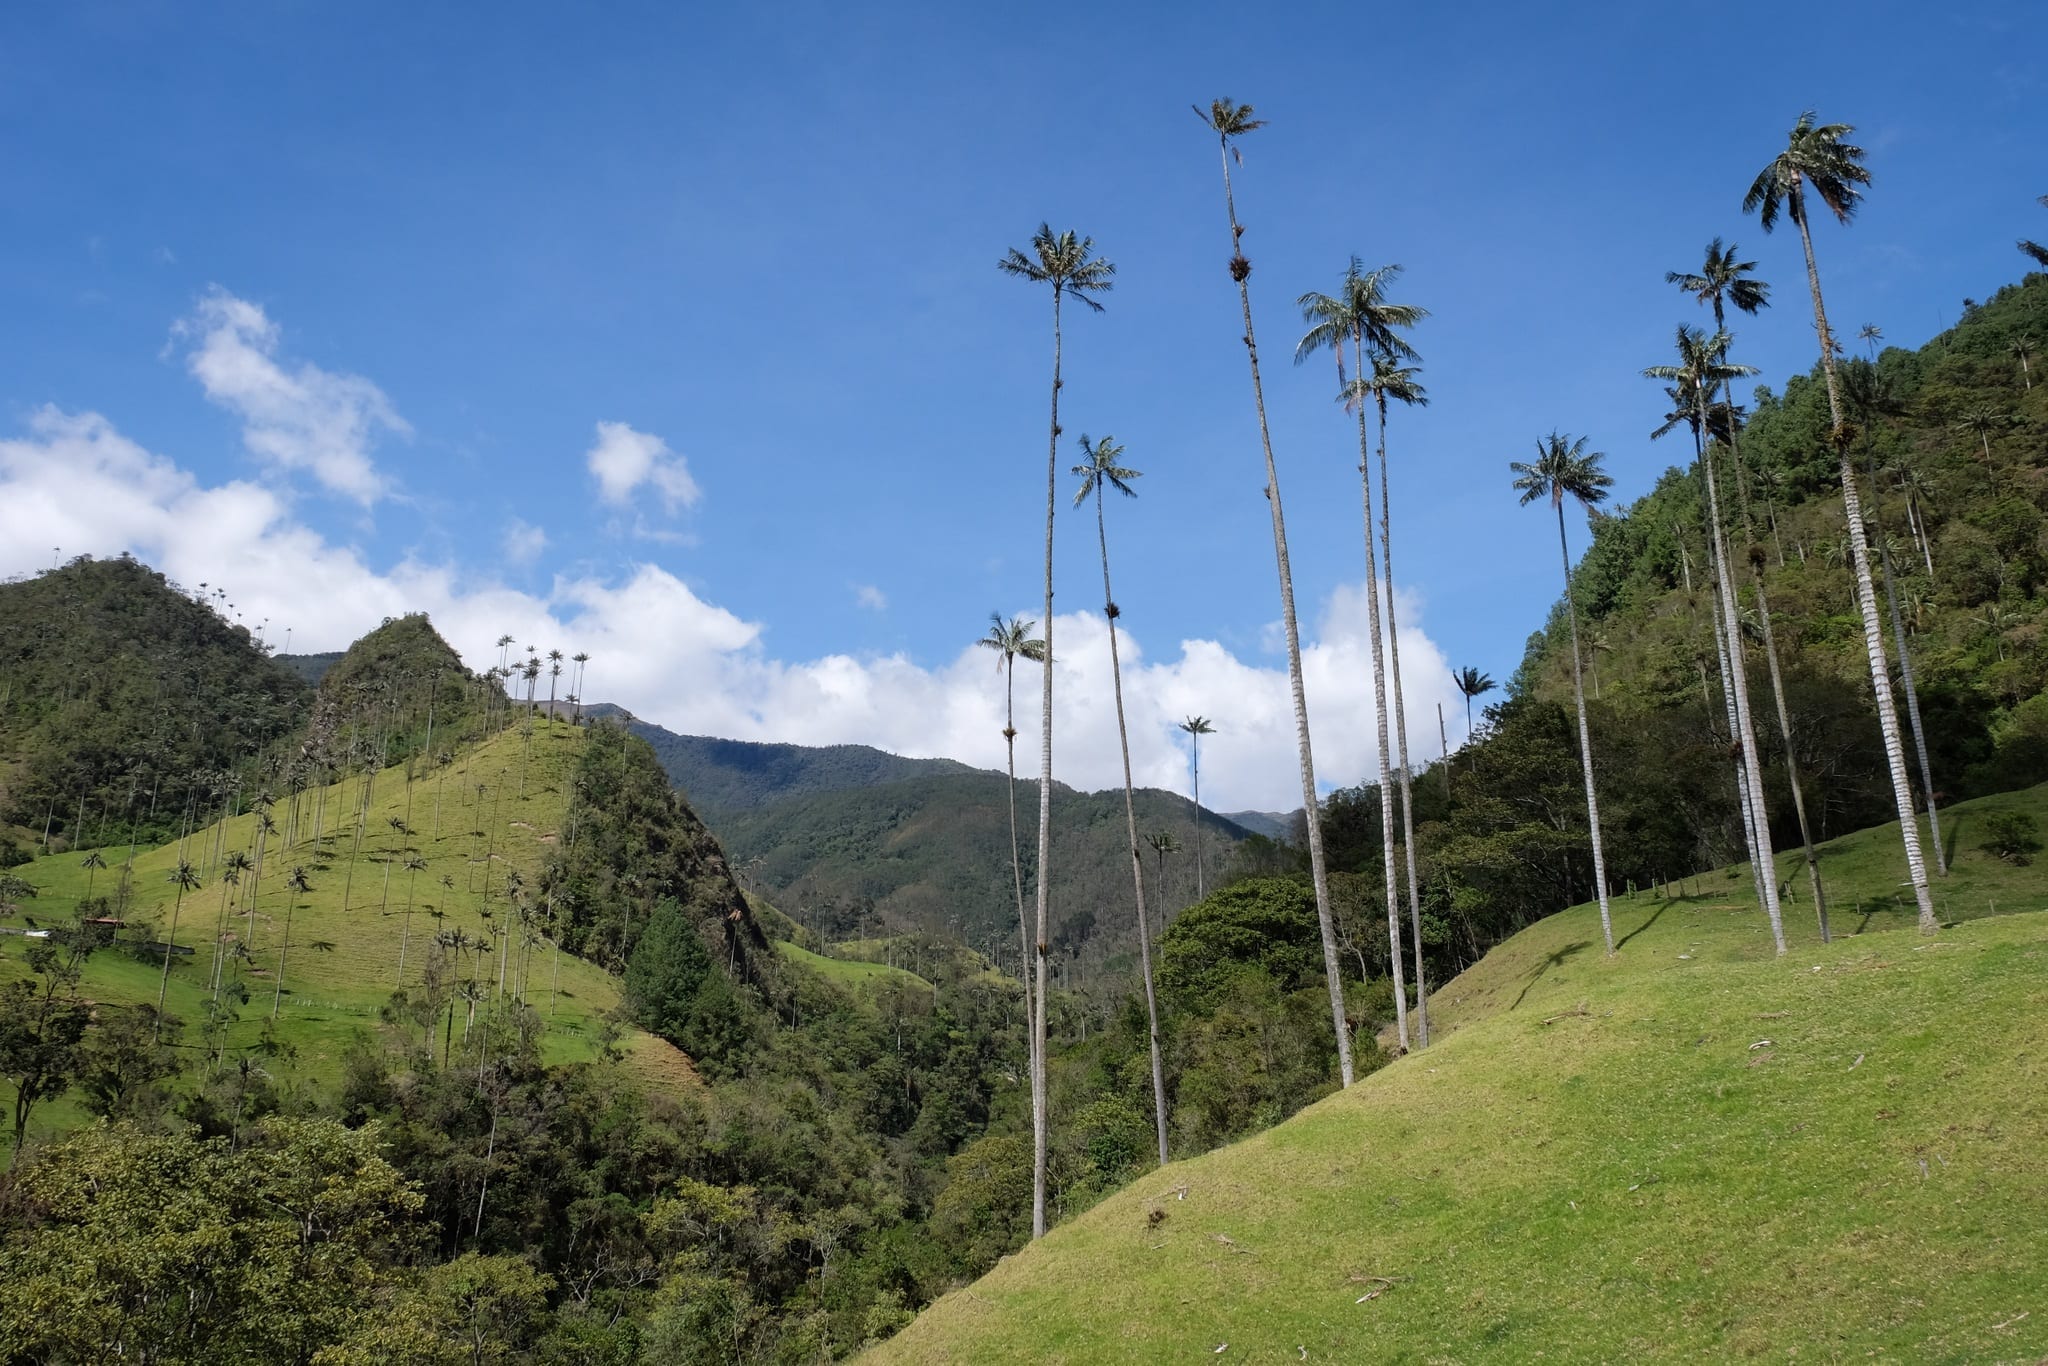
pixel 303 419
pixel 668 655
pixel 868 596
pixel 522 542
pixel 624 459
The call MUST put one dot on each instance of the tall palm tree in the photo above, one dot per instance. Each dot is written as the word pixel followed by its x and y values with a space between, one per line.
pixel 1357 316
pixel 92 863
pixel 232 868
pixel 1162 843
pixel 1068 263
pixel 580 658
pixel 1564 468
pixel 1389 379
pixel 1725 279
pixel 1011 639
pixel 414 865
pixel 1472 683
pixel 1197 727
pixel 1100 471
pixel 1229 121
pixel 297 884
pixel 184 879
pixel 2021 348
pixel 554 674
pixel 1819 157
pixel 1980 421
pixel 1703 368
pixel 1872 398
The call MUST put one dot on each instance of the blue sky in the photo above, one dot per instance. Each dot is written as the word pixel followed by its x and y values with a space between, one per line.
pixel 329 303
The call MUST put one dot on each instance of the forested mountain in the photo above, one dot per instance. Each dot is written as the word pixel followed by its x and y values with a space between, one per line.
pixel 725 776
pixel 127 704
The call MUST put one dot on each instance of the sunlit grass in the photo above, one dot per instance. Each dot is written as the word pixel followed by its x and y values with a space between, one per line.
pixel 1693 1151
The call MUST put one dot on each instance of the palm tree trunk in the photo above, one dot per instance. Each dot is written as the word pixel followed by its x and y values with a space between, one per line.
pixel 1391 873
pixel 1123 739
pixel 1866 599
pixel 1200 890
pixel 163 991
pixel 1318 870
pixel 1044 890
pixel 1891 598
pixel 1017 857
pixel 1401 737
pixel 1585 735
pixel 1751 768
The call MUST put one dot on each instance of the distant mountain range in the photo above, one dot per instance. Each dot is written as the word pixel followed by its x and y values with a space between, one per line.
pixel 847 837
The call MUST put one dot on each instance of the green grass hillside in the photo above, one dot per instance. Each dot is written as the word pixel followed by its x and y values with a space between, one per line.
pixel 346 932
pixel 1693 1151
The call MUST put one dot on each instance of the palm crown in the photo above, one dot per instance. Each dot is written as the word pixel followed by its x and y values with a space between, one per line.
pixel 1722 277
pixel 1359 312
pixel 1198 725
pixel 1100 468
pixel 1703 366
pixel 1011 637
pixel 1817 157
pixel 1227 119
pixel 1064 261
pixel 1472 682
pixel 1389 380
pixel 1563 468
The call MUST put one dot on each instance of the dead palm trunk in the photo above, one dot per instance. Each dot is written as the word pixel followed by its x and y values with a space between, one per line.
pixel 1401 737
pixel 1240 270
pixel 1123 737
pixel 1866 598
pixel 1585 734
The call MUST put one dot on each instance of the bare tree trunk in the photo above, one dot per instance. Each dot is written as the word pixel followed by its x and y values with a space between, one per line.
pixel 1240 269
pixel 1585 735
pixel 1017 858
pixel 1891 598
pixel 1866 597
pixel 1201 890
pixel 1123 737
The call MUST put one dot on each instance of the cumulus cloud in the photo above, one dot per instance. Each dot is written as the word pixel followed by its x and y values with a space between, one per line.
pixel 295 419
pixel 522 542
pixel 665 653
pixel 623 460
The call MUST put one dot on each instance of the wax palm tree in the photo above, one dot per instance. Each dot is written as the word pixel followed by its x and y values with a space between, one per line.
pixel 1870 395
pixel 1472 683
pixel 1068 263
pixel 2021 348
pixel 1870 334
pixel 1389 379
pixel 414 866
pixel 1229 121
pixel 1980 421
pixel 232 868
pixel 1358 316
pixel 298 884
pixel 554 676
pixel 1197 727
pixel 184 879
pixel 1162 843
pixel 1703 367
pixel 1819 157
pixel 1723 279
pixel 1100 471
pixel 1564 468
pixel 580 659
pixel 92 863
pixel 1011 639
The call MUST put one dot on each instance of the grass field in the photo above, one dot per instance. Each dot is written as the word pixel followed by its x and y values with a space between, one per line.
pixel 1695 1150
pixel 342 962
pixel 853 974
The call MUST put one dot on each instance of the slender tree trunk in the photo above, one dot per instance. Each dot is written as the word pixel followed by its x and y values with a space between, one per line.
pixel 1391 876
pixel 1751 768
pixel 1891 598
pixel 283 949
pixel 1866 598
pixel 1017 857
pixel 1401 736
pixel 1044 888
pixel 1443 744
pixel 1585 736
pixel 1201 891
pixel 1318 870
pixel 1123 738
pixel 163 991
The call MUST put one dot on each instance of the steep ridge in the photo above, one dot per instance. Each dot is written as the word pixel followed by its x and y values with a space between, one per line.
pixel 1691 1151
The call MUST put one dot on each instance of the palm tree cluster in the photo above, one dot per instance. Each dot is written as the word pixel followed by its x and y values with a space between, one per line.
pixel 1365 331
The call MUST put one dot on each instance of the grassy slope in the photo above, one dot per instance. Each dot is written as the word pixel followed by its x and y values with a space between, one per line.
pixel 331 994
pixel 1694 1151
pixel 850 973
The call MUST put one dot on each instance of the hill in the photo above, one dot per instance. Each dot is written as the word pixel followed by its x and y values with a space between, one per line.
pixel 1691 1151
pixel 128 705
pixel 721 777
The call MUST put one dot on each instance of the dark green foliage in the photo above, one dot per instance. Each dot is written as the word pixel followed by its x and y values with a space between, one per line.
pixel 1267 926
pixel 124 703
pixel 724 776
pixel 668 968
pixel 374 701
pixel 2013 836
